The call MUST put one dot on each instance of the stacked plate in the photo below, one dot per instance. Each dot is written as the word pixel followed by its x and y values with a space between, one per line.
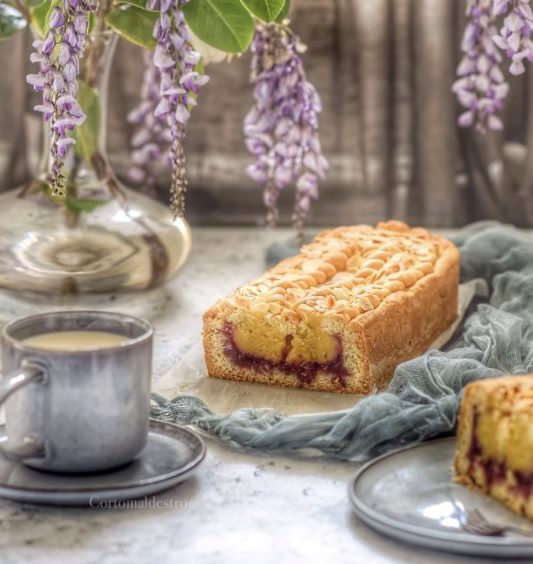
pixel 409 495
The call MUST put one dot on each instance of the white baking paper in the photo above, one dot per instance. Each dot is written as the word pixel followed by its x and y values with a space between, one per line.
pixel 222 396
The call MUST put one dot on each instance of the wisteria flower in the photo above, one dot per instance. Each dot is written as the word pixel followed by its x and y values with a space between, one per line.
pixel 481 87
pixel 58 56
pixel 179 84
pixel 152 136
pixel 514 37
pixel 282 128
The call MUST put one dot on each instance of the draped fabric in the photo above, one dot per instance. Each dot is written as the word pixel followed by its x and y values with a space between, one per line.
pixel 384 70
pixel 424 395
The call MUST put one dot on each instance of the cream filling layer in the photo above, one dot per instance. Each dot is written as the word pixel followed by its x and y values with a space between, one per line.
pixel 255 336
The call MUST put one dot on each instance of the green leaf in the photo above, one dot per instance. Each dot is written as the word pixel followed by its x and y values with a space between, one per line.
pixel 32 3
pixel 83 204
pixel 134 24
pixel 284 13
pixel 86 135
pixel 11 21
pixel 224 24
pixel 39 17
pixel 266 10
pixel 92 22
pixel 200 67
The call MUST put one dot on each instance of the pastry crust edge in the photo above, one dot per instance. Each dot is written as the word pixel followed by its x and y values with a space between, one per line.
pixel 382 349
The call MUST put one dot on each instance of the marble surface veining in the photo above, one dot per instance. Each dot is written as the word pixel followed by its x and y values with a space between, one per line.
pixel 239 507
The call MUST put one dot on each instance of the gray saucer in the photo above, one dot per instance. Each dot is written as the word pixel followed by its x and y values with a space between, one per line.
pixel 408 494
pixel 171 455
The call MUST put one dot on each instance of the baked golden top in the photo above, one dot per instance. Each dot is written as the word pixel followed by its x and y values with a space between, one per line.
pixel 346 271
pixel 505 395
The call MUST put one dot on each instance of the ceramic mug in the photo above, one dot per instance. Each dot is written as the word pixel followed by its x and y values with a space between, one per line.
pixel 76 411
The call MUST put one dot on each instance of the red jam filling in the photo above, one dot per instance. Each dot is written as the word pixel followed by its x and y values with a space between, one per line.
pixel 496 471
pixel 305 372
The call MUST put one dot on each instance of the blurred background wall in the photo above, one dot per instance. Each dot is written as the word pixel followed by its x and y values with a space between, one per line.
pixel 384 70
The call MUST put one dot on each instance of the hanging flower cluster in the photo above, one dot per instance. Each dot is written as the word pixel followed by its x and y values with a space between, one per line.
pixel 59 56
pixel 481 87
pixel 514 37
pixel 152 136
pixel 282 128
pixel 179 84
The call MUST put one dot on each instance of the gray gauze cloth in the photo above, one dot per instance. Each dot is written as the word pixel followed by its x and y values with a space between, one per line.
pixel 423 397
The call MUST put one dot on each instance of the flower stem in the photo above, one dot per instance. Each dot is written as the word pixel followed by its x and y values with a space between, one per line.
pixel 23 9
pixel 91 67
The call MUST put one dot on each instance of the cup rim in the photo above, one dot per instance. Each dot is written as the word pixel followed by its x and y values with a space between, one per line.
pixel 130 343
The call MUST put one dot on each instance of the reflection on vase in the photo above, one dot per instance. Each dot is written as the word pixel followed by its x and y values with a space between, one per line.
pixel 128 243
pixel 104 237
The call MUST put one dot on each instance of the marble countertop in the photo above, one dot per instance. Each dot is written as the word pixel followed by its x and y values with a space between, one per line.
pixel 239 507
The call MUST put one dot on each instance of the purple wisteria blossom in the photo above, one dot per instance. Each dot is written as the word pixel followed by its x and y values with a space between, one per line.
pixel 514 37
pixel 481 87
pixel 58 55
pixel 152 135
pixel 180 83
pixel 282 128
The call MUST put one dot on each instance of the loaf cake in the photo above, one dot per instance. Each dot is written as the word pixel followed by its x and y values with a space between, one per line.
pixel 341 315
pixel 495 440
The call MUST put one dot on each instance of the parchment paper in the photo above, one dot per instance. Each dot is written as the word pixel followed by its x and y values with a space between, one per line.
pixel 222 396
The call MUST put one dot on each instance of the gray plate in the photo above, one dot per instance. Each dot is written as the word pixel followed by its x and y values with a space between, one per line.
pixel 171 455
pixel 408 494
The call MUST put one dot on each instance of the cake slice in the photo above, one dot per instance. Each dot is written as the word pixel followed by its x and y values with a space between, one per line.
pixel 495 440
pixel 341 315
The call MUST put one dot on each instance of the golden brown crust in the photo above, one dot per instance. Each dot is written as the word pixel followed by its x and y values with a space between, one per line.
pixel 385 292
pixel 511 387
pixel 418 315
pixel 494 452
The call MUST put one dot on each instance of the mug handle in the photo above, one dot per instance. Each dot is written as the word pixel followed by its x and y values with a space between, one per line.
pixel 26 374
